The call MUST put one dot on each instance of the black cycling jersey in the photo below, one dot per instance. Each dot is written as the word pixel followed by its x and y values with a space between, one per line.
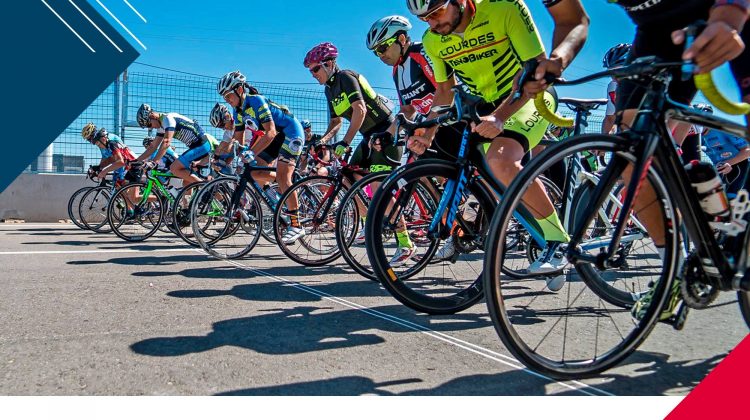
pixel 415 80
pixel 664 12
pixel 346 87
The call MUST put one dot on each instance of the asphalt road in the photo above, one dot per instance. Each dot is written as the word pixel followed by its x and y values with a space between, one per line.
pixel 88 314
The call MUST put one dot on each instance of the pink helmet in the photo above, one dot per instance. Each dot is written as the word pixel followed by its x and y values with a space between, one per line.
pixel 321 52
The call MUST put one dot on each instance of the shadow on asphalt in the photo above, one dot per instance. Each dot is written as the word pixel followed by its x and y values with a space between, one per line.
pixel 506 383
pixel 302 329
pixel 657 377
pixel 147 261
pixel 265 292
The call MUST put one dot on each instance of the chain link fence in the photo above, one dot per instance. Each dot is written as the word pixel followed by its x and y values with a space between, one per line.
pixel 190 95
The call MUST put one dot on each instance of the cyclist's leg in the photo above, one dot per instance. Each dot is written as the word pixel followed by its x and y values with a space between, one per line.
pixel 181 167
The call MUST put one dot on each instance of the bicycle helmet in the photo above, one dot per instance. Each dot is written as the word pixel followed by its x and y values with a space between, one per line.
pixel 321 52
pixel 386 28
pixel 616 56
pixel 230 81
pixel 88 131
pixel 144 115
pixel 704 107
pixel 423 8
pixel 218 115
pixel 305 124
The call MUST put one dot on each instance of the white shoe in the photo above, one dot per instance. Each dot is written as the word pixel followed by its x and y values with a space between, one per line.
pixel 445 252
pixel 403 254
pixel 550 261
pixel 360 238
pixel 292 234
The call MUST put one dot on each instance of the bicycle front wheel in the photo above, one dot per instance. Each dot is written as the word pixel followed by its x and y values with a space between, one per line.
pixel 573 331
pixel 434 276
pixel 93 209
pixel 74 202
pixel 133 215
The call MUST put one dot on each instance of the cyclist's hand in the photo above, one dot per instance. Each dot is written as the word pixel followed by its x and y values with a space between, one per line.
pixel 340 150
pixel 490 127
pixel 724 168
pixel 716 45
pixel 418 144
pixel 546 65
pixel 101 175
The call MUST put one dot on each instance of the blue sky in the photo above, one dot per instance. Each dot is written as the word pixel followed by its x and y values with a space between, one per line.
pixel 268 40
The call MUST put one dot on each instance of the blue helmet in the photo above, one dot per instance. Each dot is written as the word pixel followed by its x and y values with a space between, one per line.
pixel 616 56
pixel 306 124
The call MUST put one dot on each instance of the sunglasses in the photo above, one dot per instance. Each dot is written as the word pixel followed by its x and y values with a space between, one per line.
pixel 435 14
pixel 383 46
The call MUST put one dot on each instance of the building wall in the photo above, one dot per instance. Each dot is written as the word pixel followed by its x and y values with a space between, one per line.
pixel 40 197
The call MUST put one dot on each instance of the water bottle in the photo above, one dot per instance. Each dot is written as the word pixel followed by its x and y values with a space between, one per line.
pixel 710 189
pixel 271 194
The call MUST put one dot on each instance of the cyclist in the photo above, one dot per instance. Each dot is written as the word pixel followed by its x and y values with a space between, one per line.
pixel 173 125
pixel 350 96
pixel 388 38
pixel 226 152
pixel 485 43
pixel 615 56
pixel 660 32
pixel 729 153
pixel 115 154
pixel 285 144
pixel 314 145
pixel 170 156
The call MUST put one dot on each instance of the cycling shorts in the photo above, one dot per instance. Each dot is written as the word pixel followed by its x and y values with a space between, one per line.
pixel 195 154
pixel 367 158
pixel 526 126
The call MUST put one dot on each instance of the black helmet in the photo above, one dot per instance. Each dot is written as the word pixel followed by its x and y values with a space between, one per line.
pixel 616 56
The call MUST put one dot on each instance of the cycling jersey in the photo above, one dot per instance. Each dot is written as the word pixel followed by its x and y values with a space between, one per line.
pixel 258 110
pixel 487 56
pixel 664 12
pixel 415 80
pixel 185 129
pixel 346 87
pixel 167 160
pixel 116 147
pixel 721 147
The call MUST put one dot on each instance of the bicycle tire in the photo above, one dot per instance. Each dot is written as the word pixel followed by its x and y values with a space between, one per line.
pixel 513 317
pixel 145 213
pixel 93 209
pixel 181 213
pixel 440 297
pixel 318 246
pixel 345 238
pixel 744 300
pixel 74 212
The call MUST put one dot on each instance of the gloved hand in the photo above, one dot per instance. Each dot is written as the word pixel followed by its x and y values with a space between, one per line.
pixel 340 149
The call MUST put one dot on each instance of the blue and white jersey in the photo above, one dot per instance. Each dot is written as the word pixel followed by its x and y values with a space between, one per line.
pixel 169 157
pixel 185 130
pixel 259 110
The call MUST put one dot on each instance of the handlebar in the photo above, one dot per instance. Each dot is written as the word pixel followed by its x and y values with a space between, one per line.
pixel 641 66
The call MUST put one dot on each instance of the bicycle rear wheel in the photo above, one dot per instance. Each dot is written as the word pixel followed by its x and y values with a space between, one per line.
pixel 744 300
pixel 425 283
pixel 181 212
pixel 575 332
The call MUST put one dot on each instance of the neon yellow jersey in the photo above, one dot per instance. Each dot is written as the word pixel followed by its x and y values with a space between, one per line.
pixel 499 38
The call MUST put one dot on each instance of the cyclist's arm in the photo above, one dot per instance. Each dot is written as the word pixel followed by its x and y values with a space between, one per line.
pixel 334 125
pixel 443 97
pixel 359 111
pixel 149 150
pixel 571 31
pixel 168 135
pixel 116 163
pixel 262 143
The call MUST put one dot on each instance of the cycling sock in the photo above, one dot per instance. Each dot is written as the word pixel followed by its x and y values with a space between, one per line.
pixel 552 228
pixel 294 217
pixel 404 241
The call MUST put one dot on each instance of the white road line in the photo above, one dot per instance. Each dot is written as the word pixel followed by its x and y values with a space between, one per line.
pixel 123 26
pixel 97 28
pixel 473 348
pixel 136 12
pixel 98 251
pixel 66 24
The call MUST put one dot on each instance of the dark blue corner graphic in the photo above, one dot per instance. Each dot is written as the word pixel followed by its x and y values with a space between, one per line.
pixel 50 74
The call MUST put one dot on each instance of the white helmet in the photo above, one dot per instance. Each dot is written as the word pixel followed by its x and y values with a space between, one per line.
pixel 422 8
pixel 386 28
pixel 230 81
pixel 218 115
